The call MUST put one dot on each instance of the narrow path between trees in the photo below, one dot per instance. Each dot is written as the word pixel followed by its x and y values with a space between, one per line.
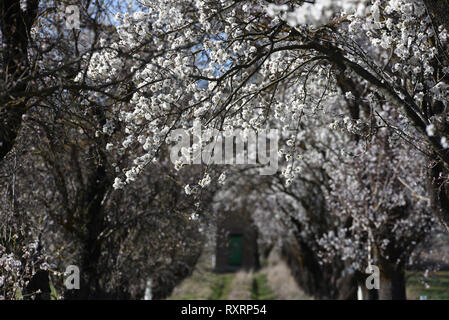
pixel 272 282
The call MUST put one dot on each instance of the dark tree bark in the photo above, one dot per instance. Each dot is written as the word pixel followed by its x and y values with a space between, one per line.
pixel 391 263
pixel 90 271
pixel 392 285
pixel 166 280
pixel 437 187
pixel 15 27
pixel 392 279
pixel 320 281
pixel 95 225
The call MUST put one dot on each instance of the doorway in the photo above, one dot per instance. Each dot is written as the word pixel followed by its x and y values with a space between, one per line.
pixel 235 250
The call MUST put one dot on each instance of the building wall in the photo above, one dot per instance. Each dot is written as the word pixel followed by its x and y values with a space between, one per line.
pixel 231 225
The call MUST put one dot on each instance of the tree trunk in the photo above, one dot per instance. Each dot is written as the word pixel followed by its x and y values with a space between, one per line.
pixel 392 285
pixel 437 188
pixel 372 294
pixel 391 269
pixel 318 280
pixel 91 268
pixel 332 280
pixel 15 27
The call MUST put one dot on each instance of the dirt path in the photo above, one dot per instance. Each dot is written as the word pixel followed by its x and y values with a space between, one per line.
pixel 272 282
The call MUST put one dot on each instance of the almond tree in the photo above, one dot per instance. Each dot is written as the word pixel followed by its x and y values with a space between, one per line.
pixel 57 174
pixel 228 58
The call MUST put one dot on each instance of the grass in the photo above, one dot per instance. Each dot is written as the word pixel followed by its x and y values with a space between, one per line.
pixel 281 281
pixel 53 292
pixel 196 287
pixel 273 281
pixel 260 289
pixel 221 287
pixel 205 285
pixel 241 286
pixel 437 285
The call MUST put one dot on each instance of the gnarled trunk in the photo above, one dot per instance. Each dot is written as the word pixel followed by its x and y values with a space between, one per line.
pixel 391 277
pixel 437 188
pixel 15 27
pixel 322 281
pixel 90 268
pixel 392 285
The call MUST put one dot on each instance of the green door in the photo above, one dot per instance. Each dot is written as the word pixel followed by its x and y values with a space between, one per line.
pixel 235 247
